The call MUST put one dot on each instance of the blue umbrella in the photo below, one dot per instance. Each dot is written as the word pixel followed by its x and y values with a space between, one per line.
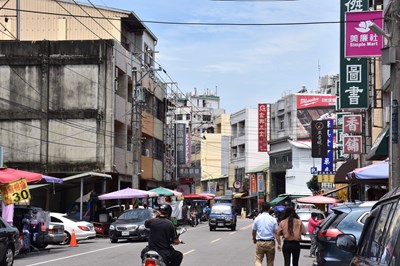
pixel 373 171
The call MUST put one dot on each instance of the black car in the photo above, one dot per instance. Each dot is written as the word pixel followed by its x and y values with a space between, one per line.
pixel 379 243
pixel 130 225
pixel 345 219
pixel 222 215
pixel 9 243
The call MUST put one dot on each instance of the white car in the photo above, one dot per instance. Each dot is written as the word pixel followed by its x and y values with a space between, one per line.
pixel 83 230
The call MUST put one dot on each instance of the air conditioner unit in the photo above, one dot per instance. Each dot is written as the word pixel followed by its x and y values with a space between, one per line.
pixel 147 152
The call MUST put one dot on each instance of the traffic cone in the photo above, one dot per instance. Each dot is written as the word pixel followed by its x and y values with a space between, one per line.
pixel 73 243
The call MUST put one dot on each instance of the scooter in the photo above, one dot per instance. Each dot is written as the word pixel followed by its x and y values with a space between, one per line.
pixel 152 258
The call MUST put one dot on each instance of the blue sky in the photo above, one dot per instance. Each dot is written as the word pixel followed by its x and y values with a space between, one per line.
pixel 247 65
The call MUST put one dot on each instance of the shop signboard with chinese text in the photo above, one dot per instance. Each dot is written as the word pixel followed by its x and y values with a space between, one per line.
pixel 327 162
pixel 319 139
pixel 352 124
pixel 15 191
pixel 353 91
pixel 360 40
pixel 262 128
pixel 352 144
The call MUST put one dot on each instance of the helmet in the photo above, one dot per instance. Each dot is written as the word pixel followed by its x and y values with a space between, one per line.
pixel 165 209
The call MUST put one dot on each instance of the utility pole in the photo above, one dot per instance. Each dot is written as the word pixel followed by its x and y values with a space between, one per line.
pixel 394 48
pixel 136 132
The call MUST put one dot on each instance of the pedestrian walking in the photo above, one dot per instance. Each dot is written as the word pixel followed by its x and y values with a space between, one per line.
pixel 313 222
pixel 291 228
pixel 264 229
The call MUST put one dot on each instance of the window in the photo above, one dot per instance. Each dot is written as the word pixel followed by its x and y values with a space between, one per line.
pixel 187 116
pixel 207 118
pixel 281 119
pixel 179 117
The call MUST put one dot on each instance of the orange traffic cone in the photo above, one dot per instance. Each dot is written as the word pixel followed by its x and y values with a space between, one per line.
pixel 72 242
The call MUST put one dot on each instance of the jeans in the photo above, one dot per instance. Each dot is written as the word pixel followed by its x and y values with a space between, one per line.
pixel 291 249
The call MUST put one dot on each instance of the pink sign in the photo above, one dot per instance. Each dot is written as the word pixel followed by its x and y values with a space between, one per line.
pixel 360 40
pixel 352 124
pixel 352 144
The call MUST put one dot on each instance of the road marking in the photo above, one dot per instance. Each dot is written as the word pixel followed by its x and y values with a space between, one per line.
pixel 218 239
pixel 231 233
pixel 188 252
pixel 246 227
pixel 76 255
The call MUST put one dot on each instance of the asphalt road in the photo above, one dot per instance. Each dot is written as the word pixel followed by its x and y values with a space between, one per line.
pixel 202 247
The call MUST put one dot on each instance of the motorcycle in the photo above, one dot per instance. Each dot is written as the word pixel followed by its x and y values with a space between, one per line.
pixel 253 214
pixel 152 258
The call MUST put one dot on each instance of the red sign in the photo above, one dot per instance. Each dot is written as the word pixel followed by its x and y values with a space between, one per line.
pixel 309 101
pixel 352 124
pixel 352 145
pixel 262 128
pixel 253 183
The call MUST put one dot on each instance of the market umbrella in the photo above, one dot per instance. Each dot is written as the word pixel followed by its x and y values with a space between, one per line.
pixel 162 191
pixel 8 175
pixel 318 200
pixel 372 171
pixel 127 193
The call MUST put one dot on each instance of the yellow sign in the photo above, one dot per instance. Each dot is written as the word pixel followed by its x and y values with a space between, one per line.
pixel 326 178
pixel 15 191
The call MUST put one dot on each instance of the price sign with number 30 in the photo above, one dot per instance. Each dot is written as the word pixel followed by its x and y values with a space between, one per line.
pixel 15 191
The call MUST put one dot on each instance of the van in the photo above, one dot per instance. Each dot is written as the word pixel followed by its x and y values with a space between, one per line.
pixel 379 242
pixel 222 215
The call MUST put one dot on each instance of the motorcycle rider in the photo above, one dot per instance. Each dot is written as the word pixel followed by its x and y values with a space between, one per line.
pixel 162 235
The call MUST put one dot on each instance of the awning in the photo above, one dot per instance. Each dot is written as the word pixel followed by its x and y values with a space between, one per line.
pixel 278 199
pixel 341 173
pixel 380 149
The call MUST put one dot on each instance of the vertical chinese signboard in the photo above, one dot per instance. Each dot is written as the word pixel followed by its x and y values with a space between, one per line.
pixel 352 144
pixel 319 139
pixel 327 162
pixel 353 91
pixel 181 143
pixel 262 128
pixel 352 124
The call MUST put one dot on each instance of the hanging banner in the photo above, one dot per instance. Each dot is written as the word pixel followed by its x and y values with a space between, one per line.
pixel 262 128
pixel 15 191
pixel 319 139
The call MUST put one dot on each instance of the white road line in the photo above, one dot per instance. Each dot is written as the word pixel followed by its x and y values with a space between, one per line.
pixel 218 239
pixel 76 255
pixel 231 233
pixel 246 227
pixel 188 252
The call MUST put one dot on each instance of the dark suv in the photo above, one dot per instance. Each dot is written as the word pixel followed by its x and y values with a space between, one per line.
pixel 222 215
pixel 345 219
pixel 379 243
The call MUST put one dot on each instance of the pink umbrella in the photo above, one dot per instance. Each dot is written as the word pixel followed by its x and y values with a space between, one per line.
pixel 8 175
pixel 318 200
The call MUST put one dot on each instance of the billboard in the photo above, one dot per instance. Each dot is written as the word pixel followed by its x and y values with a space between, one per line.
pixel 311 107
pixel 262 127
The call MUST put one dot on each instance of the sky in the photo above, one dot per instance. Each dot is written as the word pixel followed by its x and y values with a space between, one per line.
pixel 244 64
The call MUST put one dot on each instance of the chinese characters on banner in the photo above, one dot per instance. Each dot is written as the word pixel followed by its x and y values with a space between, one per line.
pixel 353 89
pixel 319 139
pixel 352 124
pixel 327 162
pixel 339 133
pixel 352 144
pixel 15 191
pixel 361 41
pixel 262 128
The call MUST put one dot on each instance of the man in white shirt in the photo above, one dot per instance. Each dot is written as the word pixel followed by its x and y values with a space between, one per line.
pixel 263 232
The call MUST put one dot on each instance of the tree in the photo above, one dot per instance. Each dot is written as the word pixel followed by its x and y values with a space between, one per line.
pixel 313 184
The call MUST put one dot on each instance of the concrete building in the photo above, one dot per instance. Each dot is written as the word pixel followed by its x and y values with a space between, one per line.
pixel 290 141
pixel 86 100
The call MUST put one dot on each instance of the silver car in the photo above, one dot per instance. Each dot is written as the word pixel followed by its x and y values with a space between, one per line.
pixel 304 215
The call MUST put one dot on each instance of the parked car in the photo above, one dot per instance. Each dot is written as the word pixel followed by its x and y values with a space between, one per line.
pixel 57 233
pixel 305 215
pixel 38 220
pixel 222 215
pixel 345 219
pixel 9 243
pixel 130 225
pixel 379 243
pixel 83 230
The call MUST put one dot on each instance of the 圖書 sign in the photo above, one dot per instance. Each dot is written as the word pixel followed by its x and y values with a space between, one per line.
pixel 15 191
